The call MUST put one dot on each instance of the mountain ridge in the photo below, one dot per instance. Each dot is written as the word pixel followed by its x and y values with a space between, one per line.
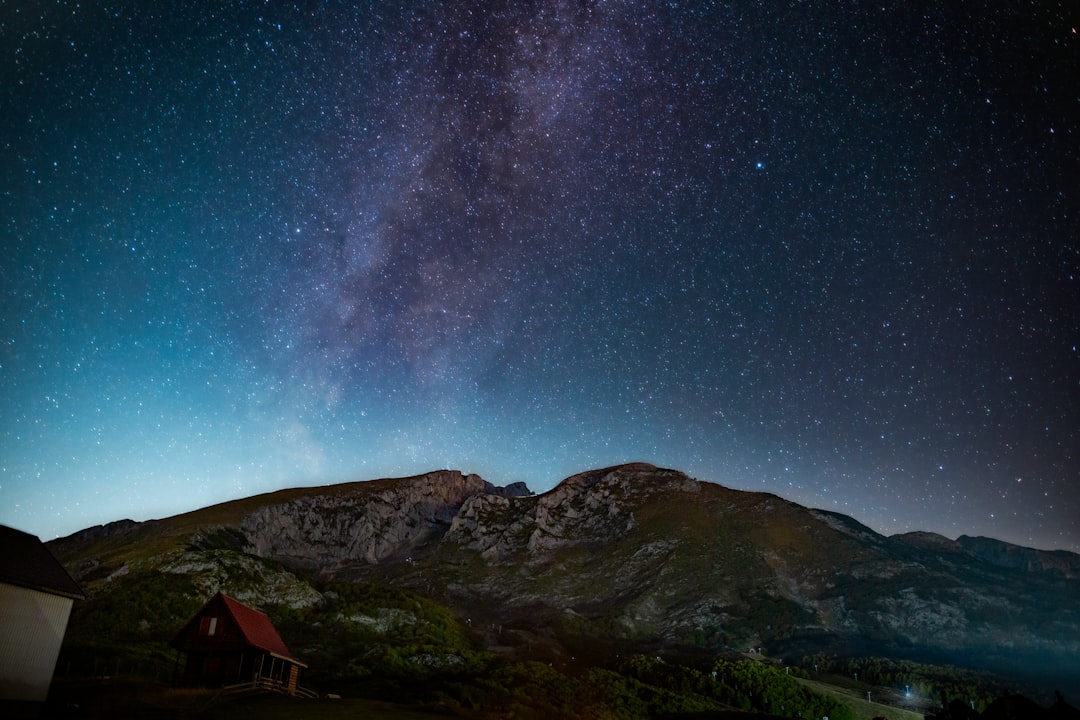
pixel 626 555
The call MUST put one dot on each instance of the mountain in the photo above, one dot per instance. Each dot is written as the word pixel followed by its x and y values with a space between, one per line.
pixel 996 552
pixel 634 557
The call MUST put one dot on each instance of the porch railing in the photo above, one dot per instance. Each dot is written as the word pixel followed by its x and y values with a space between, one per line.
pixel 267 685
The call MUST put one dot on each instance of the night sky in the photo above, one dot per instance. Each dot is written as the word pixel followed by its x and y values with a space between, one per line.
pixel 828 250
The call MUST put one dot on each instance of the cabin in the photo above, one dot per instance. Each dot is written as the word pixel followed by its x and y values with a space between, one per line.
pixel 229 643
pixel 36 597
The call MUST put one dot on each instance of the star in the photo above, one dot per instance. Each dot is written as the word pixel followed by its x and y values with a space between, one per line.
pixel 250 250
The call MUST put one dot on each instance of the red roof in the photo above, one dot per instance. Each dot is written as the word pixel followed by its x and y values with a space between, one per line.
pixel 258 631
pixel 255 627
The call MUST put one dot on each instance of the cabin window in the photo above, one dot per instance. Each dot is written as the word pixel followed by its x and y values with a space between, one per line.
pixel 208 626
pixel 213 626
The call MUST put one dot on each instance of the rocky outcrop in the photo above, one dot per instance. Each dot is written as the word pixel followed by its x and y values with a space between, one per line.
pixel 246 578
pixel 376 521
pixel 593 507
pixel 517 489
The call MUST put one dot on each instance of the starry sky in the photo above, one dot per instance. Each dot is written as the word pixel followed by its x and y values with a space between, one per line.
pixel 825 250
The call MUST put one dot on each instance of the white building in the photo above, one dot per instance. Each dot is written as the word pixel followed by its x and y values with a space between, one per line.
pixel 36 595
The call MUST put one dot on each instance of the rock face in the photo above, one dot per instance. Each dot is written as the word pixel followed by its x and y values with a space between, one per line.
pixel 631 554
pixel 592 507
pixel 374 523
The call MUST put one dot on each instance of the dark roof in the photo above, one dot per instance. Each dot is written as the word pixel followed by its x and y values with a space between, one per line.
pixel 26 562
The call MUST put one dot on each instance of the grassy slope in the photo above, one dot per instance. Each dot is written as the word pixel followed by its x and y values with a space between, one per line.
pixel 863 710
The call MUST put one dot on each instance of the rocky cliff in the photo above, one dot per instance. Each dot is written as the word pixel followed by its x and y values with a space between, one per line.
pixel 380 521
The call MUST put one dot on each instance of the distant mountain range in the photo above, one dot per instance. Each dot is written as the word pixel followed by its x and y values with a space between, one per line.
pixel 633 557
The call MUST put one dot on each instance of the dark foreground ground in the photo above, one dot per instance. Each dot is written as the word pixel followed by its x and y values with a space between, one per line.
pixel 124 700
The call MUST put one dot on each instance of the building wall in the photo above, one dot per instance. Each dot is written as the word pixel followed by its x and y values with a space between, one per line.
pixel 32 626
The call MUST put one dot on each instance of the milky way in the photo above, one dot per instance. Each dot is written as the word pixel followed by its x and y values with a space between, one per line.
pixel 825 250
